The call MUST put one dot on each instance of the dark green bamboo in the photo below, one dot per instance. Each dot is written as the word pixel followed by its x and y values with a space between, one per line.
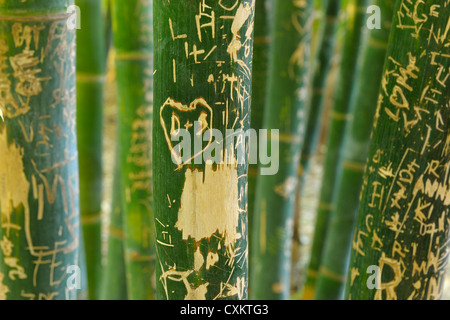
pixel 203 77
pixel 90 84
pixel 39 205
pixel 400 243
pixel 114 282
pixel 132 27
pixel 260 63
pixel 285 100
pixel 336 247
pixel 355 12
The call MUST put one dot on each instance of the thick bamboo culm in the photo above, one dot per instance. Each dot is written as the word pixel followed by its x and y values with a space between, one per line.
pixel 200 200
pixel 401 238
pixel 39 193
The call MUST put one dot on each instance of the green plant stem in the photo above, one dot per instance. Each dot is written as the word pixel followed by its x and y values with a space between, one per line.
pixel 203 63
pixel 285 101
pixel 39 204
pixel 132 27
pixel 402 229
pixel 355 151
pixel 90 84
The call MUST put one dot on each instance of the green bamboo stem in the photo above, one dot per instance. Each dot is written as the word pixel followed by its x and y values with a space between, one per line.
pixel 203 63
pixel 90 83
pixel 297 271
pixel 341 215
pixel 402 228
pixel 39 205
pixel 318 92
pixel 114 282
pixel 260 64
pixel 285 101
pixel 324 48
pixel 355 11
pixel 132 27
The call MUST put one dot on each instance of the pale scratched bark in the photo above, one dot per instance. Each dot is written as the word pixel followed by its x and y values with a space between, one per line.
pixel 38 155
pixel 203 52
pixel 404 217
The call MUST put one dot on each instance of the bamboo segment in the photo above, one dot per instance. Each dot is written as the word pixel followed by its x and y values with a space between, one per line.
pixel 355 150
pixel 355 12
pixel 203 77
pixel 132 27
pixel 90 83
pixel 285 100
pixel 114 282
pixel 400 244
pixel 39 204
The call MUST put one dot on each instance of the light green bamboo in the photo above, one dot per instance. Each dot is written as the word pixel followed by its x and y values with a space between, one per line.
pixel 132 28
pixel 91 66
pixel 114 281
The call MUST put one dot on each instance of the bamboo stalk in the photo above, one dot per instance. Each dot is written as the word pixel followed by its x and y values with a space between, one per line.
pixel 203 63
pixel 39 205
pixel 259 86
pixel 355 12
pixel 337 245
pixel 132 27
pixel 401 237
pixel 114 281
pixel 321 71
pixel 285 100
pixel 324 46
pixel 90 84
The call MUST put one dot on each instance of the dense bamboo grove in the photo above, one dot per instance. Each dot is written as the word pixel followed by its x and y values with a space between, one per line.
pixel 224 150
pixel 285 106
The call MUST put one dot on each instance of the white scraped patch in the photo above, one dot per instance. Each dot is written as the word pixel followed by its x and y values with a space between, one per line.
pixel 14 186
pixel 198 293
pixel 210 204
pixel 198 260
